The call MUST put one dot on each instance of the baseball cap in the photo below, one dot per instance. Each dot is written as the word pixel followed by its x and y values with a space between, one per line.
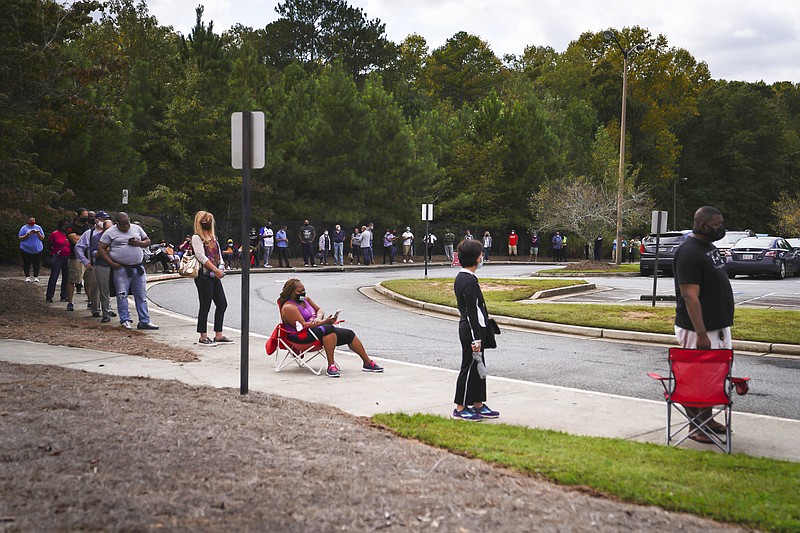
pixel 101 214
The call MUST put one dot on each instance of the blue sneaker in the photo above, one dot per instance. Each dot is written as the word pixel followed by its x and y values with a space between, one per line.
pixel 486 412
pixel 467 414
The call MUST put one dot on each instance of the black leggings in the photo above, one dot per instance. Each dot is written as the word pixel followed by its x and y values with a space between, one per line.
pixel 29 259
pixel 210 289
pixel 308 336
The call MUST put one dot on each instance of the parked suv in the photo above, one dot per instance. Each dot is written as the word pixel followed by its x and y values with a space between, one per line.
pixel 667 246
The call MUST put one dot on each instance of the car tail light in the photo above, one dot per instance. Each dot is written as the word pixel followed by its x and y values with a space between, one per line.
pixel 771 253
pixel 641 248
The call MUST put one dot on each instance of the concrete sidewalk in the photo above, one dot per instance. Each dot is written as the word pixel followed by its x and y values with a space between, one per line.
pixel 407 388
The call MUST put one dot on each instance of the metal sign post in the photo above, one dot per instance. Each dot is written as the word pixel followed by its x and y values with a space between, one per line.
pixel 658 226
pixel 247 152
pixel 427 216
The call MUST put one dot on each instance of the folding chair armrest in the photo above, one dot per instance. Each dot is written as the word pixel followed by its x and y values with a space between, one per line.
pixel 656 376
pixel 741 385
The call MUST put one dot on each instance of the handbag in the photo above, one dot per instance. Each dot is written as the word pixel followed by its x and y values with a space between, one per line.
pixel 489 333
pixel 47 260
pixel 189 266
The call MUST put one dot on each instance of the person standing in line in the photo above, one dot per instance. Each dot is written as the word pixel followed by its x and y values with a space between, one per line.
pixel 487 245
pixel 122 247
pixel 512 245
pixel 598 248
pixel 430 241
pixel 564 248
pixel 102 271
pixel 470 385
pixel 31 236
pixel 704 301
pixel 267 243
pixel 448 239
pixel 307 236
pixel 534 247
pixel 86 253
pixel 82 222
pixel 366 245
pixel 388 239
pixel 557 243
pixel 338 237
pixel 468 236
pixel 59 250
pixel 355 246
pixel 282 246
pixel 325 246
pixel 209 283
pixel 408 240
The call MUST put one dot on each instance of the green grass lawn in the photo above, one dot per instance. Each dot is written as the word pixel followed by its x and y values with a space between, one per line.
pixel 756 492
pixel 502 295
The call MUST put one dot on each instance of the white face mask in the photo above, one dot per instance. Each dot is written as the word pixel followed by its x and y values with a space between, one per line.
pixel 480 263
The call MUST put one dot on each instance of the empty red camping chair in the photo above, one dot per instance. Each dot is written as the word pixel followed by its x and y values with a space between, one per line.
pixel 699 379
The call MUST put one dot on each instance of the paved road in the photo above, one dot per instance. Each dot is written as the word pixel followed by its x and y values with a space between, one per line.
pixel 410 335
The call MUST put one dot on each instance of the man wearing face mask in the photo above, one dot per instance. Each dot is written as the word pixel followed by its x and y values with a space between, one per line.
pixel 704 308
pixel 307 236
pixel 82 222
pixel 122 247
pixel 97 270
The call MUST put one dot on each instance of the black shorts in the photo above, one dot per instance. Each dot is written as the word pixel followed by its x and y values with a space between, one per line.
pixel 310 335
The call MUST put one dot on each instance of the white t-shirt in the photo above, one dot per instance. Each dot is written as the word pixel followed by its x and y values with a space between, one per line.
pixel 407 238
pixel 267 237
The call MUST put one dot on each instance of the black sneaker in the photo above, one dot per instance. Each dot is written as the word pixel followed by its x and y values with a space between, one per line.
pixel 146 325
pixel 105 319
pixel 206 342
pixel 223 340
pixel 96 314
pixel 112 314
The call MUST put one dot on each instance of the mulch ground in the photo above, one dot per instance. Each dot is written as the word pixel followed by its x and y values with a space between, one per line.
pixel 83 451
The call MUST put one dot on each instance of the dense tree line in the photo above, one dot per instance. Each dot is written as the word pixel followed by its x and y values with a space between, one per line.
pixel 360 128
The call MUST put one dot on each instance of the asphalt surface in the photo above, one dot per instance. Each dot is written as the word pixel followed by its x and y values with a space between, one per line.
pixel 403 334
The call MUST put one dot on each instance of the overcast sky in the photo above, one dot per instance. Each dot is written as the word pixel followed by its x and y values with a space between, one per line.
pixel 750 40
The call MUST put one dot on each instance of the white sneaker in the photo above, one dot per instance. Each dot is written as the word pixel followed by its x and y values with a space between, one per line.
pixel 28 279
pixel 127 324
pixel 404 261
pixel 36 280
pixel 410 260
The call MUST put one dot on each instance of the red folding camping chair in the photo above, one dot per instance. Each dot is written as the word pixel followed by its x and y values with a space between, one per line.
pixel 287 352
pixel 699 379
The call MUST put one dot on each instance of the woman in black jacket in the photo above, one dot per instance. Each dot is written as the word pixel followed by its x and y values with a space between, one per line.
pixel 470 385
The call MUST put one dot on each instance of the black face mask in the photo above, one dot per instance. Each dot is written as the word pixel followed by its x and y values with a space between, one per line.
pixel 83 220
pixel 301 297
pixel 712 234
pixel 92 221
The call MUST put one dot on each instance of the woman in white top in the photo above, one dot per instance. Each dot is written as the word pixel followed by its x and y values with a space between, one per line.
pixel 209 282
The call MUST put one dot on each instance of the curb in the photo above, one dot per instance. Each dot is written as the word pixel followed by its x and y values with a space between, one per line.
pixel 587 331
pixel 560 291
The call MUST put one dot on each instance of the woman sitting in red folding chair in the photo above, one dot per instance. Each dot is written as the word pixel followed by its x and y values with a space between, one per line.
pixel 306 323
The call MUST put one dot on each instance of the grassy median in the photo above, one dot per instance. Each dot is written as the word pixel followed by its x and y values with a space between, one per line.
pixel 756 492
pixel 503 297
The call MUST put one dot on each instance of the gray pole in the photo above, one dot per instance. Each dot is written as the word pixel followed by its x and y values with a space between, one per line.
pixel 655 266
pixel 247 163
pixel 425 245
pixel 621 182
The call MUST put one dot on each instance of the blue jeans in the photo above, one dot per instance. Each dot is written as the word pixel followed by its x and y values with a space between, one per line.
pixel 338 253
pixel 136 285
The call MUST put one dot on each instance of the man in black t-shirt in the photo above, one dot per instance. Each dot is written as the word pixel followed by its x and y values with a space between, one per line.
pixel 307 236
pixel 704 309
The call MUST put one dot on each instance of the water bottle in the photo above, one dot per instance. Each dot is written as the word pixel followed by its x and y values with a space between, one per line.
pixel 298 326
